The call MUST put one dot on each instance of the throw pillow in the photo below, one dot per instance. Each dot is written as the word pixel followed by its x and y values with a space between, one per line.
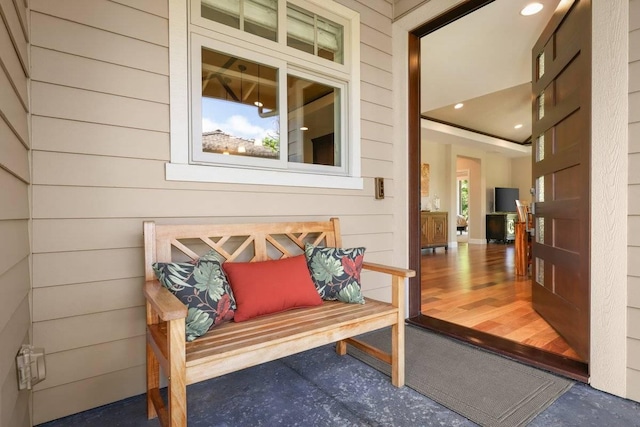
pixel 336 272
pixel 270 286
pixel 203 288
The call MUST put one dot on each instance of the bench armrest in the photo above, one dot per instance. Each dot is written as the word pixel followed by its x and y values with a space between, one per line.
pixel 395 271
pixel 164 303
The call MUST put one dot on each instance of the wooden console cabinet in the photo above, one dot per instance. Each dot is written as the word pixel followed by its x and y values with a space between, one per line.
pixel 434 229
pixel 501 226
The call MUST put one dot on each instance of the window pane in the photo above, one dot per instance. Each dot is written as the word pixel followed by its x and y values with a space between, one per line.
pixel 315 35
pixel 239 106
pixel 259 17
pixel 313 122
pixel 330 40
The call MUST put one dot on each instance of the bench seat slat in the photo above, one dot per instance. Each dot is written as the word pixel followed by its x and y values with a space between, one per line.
pixel 242 336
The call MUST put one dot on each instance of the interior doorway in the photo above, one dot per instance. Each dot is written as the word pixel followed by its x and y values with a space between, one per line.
pixel 571 366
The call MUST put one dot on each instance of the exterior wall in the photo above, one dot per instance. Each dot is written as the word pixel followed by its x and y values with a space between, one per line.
pixel 633 280
pixel 402 7
pixel 100 95
pixel 15 321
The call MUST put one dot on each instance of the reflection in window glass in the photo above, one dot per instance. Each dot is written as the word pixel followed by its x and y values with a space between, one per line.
pixel 239 107
pixel 310 33
pixel 259 17
pixel 313 120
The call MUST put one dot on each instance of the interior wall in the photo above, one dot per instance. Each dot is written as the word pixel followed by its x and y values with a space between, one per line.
pixel 100 96
pixel 633 280
pixel 15 281
pixel 476 189
pixel 489 170
pixel 521 176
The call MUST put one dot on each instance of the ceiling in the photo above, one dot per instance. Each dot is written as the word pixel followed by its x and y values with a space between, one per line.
pixel 484 61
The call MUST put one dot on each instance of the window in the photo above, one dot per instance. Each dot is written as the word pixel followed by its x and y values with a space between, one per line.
pixel 271 93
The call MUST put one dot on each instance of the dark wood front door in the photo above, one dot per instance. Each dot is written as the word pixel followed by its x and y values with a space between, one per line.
pixel 561 138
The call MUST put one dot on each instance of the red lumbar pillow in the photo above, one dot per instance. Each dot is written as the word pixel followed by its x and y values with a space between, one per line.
pixel 270 286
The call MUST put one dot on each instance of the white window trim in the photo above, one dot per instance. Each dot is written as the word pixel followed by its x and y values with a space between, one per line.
pixel 179 169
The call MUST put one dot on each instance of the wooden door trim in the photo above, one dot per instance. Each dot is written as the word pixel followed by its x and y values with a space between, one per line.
pixel 414 118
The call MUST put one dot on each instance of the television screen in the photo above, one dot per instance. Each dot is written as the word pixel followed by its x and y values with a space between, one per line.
pixel 505 199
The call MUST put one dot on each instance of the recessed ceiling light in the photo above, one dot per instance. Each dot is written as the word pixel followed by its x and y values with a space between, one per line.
pixel 458 106
pixel 531 9
pixel 304 128
pixel 518 126
pixel 258 104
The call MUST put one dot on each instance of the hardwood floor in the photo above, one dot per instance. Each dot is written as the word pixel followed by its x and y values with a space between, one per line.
pixel 475 286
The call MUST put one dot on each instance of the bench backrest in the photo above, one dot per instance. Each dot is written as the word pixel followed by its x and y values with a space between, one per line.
pixel 235 242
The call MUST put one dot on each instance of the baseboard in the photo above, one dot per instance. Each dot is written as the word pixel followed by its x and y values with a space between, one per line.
pixel 477 241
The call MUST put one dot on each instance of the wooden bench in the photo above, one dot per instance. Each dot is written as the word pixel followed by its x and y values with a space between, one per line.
pixel 234 346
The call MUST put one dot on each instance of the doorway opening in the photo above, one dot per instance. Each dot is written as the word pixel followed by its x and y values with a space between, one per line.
pixel 424 314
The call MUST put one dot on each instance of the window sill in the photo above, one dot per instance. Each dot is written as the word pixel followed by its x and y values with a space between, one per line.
pixel 201 173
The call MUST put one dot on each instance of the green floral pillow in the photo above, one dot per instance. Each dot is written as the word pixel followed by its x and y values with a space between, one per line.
pixel 203 287
pixel 336 272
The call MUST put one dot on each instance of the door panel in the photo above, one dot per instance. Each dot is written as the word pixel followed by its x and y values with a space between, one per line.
pixel 561 161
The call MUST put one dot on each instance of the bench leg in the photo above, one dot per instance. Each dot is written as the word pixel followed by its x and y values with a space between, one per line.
pixel 153 381
pixel 341 348
pixel 177 375
pixel 397 354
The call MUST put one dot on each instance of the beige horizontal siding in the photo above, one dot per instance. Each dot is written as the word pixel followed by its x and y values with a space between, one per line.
pixel 108 16
pixel 82 331
pixel 12 335
pixel 49 134
pixel 12 64
pixel 15 286
pixel 13 153
pixel 13 109
pixel 70 70
pixel 17 192
pixel 377 150
pixel 77 104
pixel 103 358
pixel 375 94
pixel 375 131
pixel 70 37
pixel 375 76
pixel 75 397
pixel 402 7
pixel 375 38
pixel 633 291
pixel 52 269
pixel 10 16
pixel 65 235
pixel 154 7
pixel 15 320
pixel 87 202
pixel 54 303
pixel 14 245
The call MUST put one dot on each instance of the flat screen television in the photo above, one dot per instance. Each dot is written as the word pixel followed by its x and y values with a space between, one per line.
pixel 505 199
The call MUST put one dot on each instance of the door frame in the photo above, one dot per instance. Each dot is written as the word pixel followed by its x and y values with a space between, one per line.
pixel 529 355
pixel 609 186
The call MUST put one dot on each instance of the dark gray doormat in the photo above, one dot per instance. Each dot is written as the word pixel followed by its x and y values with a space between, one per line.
pixel 487 389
